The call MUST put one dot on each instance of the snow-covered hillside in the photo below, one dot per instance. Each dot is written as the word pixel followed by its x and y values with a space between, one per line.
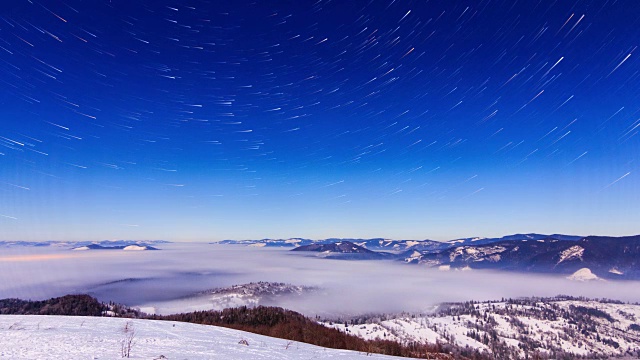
pixel 63 337
pixel 251 295
pixel 517 329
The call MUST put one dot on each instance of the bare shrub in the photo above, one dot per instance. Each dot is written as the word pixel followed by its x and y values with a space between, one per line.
pixel 127 342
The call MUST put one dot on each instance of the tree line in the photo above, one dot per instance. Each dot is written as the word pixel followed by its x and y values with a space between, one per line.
pixel 263 320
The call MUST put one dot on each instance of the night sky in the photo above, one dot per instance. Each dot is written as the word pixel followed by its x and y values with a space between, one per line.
pixel 207 120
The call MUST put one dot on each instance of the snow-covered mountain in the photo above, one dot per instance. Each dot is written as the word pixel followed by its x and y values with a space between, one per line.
pixel 395 245
pixel 250 295
pixel 67 337
pixel 554 328
pixel 291 242
pixel 375 244
pixel 605 257
pixel 608 257
pixel 131 247
pixel 89 244
pixel 390 245
pixel 343 250
pixel 583 274
pixel 514 237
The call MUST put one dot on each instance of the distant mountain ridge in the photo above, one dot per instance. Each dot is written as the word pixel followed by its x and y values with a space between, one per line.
pixel 344 250
pixel 111 244
pixel 606 257
pixel 132 247
pixel 394 245
pixel 375 244
pixel 479 241
pixel 292 242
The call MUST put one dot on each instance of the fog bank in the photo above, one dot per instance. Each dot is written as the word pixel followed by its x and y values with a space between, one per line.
pixel 347 287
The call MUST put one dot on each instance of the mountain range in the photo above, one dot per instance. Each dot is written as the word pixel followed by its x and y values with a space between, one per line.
pixel 90 245
pixel 604 256
pixel 132 247
pixel 393 245
pixel 607 257
pixel 346 250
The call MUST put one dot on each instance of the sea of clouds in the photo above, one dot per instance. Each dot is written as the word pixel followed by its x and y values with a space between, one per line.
pixel 163 279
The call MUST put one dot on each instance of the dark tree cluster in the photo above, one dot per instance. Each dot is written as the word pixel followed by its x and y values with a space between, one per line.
pixel 583 310
pixel 581 322
pixel 290 325
pixel 73 305
pixel 269 321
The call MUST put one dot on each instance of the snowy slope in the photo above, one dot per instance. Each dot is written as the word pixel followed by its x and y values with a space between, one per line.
pixel 62 337
pixel 582 328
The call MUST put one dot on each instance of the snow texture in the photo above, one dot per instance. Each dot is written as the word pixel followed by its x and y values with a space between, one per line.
pixel 558 333
pixel 62 337
pixel 583 274
pixel 574 252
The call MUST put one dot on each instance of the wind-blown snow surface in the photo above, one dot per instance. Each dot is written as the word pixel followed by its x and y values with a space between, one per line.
pixel 66 337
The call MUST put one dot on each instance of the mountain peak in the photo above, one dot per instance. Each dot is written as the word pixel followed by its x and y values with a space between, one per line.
pixel 583 274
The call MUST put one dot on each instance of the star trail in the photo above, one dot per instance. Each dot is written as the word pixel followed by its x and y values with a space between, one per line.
pixel 206 120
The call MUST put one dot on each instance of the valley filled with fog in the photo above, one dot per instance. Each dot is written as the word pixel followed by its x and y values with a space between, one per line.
pixel 173 279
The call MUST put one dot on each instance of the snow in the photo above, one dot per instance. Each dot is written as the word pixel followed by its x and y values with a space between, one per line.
pixel 494 258
pixel 574 252
pixel 477 253
pixel 624 315
pixel 458 329
pixel 135 248
pixel 583 274
pixel 415 255
pixel 552 332
pixel 429 263
pixel 457 252
pixel 258 245
pixel 200 303
pixel 400 329
pixel 66 337
pixel 615 271
pixel 81 248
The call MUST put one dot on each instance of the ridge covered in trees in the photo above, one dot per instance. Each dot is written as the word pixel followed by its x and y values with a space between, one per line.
pixel 287 324
pixel 70 305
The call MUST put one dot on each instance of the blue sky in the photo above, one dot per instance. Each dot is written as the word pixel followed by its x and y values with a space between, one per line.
pixel 403 119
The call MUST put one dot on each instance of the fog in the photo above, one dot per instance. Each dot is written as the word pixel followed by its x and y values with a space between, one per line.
pixel 151 278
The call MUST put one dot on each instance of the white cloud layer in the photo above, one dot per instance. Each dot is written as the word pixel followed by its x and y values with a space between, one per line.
pixel 348 287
